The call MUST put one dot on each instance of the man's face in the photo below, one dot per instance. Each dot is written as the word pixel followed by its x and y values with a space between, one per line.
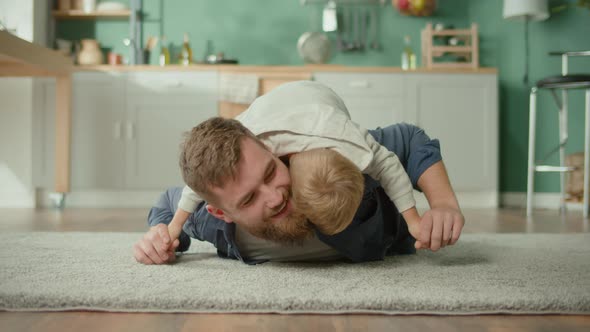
pixel 259 198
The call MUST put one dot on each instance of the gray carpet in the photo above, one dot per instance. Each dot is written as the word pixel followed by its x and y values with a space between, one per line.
pixel 483 273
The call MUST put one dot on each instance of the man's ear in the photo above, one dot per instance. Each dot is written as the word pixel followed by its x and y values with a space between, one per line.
pixel 218 213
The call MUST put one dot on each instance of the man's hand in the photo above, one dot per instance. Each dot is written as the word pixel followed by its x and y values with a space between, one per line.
pixel 438 228
pixel 155 247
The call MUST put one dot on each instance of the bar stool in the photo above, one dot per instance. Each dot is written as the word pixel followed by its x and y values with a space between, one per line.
pixel 554 84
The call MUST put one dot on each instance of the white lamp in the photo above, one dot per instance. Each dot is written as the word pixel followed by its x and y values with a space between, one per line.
pixel 534 10
pixel 526 10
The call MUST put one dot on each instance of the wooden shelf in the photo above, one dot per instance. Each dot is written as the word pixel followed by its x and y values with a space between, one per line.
pixel 451 49
pixel 470 50
pixel 79 14
pixel 452 32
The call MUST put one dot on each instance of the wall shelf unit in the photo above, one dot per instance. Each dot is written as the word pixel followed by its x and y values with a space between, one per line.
pixel 133 14
pixel 79 14
pixel 469 50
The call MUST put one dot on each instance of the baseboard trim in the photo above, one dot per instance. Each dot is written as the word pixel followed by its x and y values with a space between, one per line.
pixel 103 199
pixel 17 200
pixel 472 200
pixel 146 199
pixel 540 201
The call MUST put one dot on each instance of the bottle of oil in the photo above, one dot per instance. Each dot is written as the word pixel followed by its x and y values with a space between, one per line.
pixel 408 56
pixel 164 58
pixel 186 55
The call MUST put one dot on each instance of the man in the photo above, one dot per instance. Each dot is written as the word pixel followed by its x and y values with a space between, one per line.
pixel 247 188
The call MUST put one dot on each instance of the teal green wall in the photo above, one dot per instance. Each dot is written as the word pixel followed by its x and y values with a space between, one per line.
pixel 265 32
pixel 503 47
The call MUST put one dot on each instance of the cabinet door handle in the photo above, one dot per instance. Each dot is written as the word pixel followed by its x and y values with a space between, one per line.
pixel 359 84
pixel 130 130
pixel 117 130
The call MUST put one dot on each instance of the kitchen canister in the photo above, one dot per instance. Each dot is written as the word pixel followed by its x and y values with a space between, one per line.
pixel 90 54
pixel 86 6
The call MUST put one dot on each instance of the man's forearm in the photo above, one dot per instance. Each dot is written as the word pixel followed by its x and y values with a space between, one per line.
pixel 435 185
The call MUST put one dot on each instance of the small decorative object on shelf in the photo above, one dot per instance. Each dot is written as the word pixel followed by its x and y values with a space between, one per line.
pixel 463 44
pixel 90 54
pixel 408 56
pixel 186 54
pixel 64 5
pixel 415 7
pixel 164 57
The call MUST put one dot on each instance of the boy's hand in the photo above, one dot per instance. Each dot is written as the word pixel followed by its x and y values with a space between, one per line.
pixel 156 247
pixel 412 218
pixel 438 228
pixel 174 231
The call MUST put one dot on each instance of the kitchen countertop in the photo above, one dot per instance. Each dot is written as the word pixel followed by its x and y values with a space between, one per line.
pixel 282 69
pixel 19 57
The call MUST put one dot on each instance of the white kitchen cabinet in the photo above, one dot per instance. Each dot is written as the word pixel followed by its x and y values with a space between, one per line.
pixel 126 128
pixel 44 132
pixel 97 147
pixel 160 108
pixel 373 100
pixel 97 135
pixel 461 110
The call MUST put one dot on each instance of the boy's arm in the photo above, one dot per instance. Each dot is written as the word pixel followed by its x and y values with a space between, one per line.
pixel 156 246
pixel 175 226
pixel 189 200
pixel 387 168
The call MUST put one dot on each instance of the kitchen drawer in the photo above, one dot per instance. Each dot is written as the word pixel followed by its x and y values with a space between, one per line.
pixel 362 84
pixel 203 82
pixel 84 77
pixel 373 112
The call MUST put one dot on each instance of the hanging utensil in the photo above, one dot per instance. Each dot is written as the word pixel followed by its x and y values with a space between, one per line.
pixel 364 18
pixel 357 33
pixel 314 47
pixel 340 43
pixel 329 18
pixel 375 45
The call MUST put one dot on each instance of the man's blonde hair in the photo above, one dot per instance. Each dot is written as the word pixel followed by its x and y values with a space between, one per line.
pixel 327 188
pixel 210 154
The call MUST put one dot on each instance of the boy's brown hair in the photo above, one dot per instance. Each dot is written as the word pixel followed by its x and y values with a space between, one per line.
pixel 210 153
pixel 327 188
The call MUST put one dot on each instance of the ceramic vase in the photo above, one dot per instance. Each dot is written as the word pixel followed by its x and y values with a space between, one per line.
pixel 90 54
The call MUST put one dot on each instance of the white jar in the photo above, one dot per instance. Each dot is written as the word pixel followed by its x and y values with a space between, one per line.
pixel 88 6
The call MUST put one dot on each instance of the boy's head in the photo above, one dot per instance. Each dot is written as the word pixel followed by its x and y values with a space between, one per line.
pixel 327 188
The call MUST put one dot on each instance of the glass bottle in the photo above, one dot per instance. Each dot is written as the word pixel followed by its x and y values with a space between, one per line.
pixel 186 55
pixel 408 56
pixel 164 58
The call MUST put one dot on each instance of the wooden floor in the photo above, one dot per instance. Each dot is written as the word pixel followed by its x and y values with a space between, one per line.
pixel 131 220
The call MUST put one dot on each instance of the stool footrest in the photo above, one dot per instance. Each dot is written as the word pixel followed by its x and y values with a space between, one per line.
pixel 546 168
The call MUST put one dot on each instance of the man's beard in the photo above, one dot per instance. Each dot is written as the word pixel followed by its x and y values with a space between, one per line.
pixel 293 230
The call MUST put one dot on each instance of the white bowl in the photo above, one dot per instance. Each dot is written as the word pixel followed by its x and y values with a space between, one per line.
pixel 110 6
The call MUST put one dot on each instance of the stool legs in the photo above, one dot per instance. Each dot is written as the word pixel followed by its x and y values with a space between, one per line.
pixel 586 200
pixel 531 157
pixel 563 136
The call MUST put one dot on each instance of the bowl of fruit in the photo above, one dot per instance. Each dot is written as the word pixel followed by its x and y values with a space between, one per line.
pixel 415 7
